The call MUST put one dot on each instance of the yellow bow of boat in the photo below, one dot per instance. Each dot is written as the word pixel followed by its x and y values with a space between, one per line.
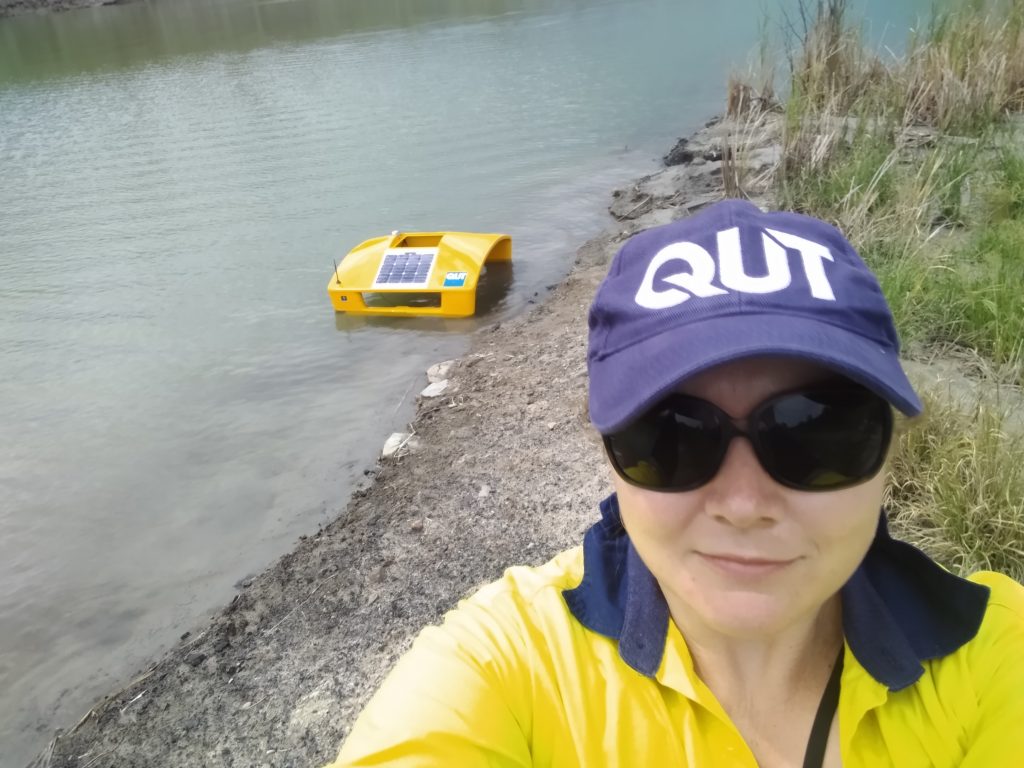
pixel 416 273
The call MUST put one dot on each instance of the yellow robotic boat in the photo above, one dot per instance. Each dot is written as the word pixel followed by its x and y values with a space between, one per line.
pixel 416 273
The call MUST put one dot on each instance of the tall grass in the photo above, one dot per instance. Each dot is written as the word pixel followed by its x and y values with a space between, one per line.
pixel 985 291
pixel 898 155
pixel 965 71
pixel 915 159
pixel 1005 200
pixel 961 73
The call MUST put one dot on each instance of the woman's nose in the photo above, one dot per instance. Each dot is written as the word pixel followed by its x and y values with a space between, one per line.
pixel 742 494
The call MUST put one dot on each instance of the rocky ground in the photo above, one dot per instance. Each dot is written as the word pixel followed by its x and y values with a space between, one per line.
pixel 505 470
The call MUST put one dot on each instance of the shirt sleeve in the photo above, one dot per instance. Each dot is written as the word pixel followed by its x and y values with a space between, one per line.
pixel 459 697
pixel 998 737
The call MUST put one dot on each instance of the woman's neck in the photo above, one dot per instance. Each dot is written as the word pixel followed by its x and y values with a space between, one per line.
pixel 748 671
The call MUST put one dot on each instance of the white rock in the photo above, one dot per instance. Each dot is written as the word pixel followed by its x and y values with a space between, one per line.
pixel 439 371
pixel 485 491
pixel 395 443
pixel 435 389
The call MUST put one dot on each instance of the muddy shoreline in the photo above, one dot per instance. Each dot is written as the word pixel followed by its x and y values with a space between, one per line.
pixel 506 471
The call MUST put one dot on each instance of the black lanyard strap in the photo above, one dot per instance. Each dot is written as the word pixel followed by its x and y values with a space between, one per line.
pixel 815 755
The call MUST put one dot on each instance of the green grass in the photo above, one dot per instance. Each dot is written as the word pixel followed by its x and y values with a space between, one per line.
pixel 951 266
pixel 985 293
pixel 856 173
pixel 1005 199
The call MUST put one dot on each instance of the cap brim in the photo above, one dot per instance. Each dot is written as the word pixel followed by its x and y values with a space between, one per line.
pixel 626 383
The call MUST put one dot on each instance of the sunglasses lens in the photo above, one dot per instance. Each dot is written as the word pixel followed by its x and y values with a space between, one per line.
pixel 676 446
pixel 817 440
pixel 823 440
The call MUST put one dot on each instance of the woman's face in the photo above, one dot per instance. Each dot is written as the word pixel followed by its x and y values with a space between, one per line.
pixel 743 555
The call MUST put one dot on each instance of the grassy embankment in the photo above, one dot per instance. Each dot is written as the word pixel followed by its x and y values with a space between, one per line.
pixel 920 161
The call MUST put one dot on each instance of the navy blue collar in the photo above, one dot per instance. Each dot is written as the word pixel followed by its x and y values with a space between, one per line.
pixel 900 608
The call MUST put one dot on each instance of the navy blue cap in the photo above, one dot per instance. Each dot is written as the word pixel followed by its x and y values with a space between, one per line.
pixel 733 282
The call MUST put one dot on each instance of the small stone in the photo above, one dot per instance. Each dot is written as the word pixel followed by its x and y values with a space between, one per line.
pixel 435 389
pixel 416 526
pixel 551 425
pixel 485 491
pixel 679 154
pixel 195 659
pixel 392 445
pixel 439 371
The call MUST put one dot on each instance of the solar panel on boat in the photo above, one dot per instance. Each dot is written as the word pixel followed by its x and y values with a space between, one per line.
pixel 405 269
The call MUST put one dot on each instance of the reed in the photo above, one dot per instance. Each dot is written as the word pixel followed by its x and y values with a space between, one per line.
pixel 965 70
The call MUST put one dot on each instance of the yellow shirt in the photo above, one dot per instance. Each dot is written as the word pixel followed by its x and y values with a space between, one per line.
pixel 514 677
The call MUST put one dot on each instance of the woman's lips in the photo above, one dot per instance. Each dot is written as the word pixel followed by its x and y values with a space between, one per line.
pixel 736 565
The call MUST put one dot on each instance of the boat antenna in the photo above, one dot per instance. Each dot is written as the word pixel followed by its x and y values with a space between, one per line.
pixel 336 276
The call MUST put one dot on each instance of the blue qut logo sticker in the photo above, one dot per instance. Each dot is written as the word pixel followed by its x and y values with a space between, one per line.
pixel 455 279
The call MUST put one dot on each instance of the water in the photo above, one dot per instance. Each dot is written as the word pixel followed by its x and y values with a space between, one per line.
pixel 178 402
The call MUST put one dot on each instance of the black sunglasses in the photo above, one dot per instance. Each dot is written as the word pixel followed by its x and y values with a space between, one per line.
pixel 821 438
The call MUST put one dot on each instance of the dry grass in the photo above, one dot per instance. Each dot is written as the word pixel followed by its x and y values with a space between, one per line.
pixel 966 71
pixel 957 489
pixel 749 152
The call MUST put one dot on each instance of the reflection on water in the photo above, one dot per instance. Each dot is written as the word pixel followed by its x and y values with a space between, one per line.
pixel 144 32
pixel 496 282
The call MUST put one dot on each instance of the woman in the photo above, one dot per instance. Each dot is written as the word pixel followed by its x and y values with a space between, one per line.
pixel 741 602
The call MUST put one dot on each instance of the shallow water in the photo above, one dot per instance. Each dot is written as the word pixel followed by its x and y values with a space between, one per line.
pixel 178 402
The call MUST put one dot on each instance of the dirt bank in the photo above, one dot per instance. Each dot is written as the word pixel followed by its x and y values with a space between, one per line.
pixel 507 472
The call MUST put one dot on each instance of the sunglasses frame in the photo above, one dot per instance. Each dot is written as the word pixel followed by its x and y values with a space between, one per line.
pixel 731 429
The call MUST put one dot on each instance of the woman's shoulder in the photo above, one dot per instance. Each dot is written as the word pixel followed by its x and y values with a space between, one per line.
pixel 1002 628
pixel 995 664
pixel 526 593
pixel 526 584
pixel 993 658
pixel 1006 596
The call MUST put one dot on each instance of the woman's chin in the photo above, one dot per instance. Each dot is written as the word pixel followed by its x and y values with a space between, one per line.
pixel 743 614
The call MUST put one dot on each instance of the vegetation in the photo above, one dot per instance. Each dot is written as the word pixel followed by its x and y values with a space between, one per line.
pixel 957 488
pixel 918 160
